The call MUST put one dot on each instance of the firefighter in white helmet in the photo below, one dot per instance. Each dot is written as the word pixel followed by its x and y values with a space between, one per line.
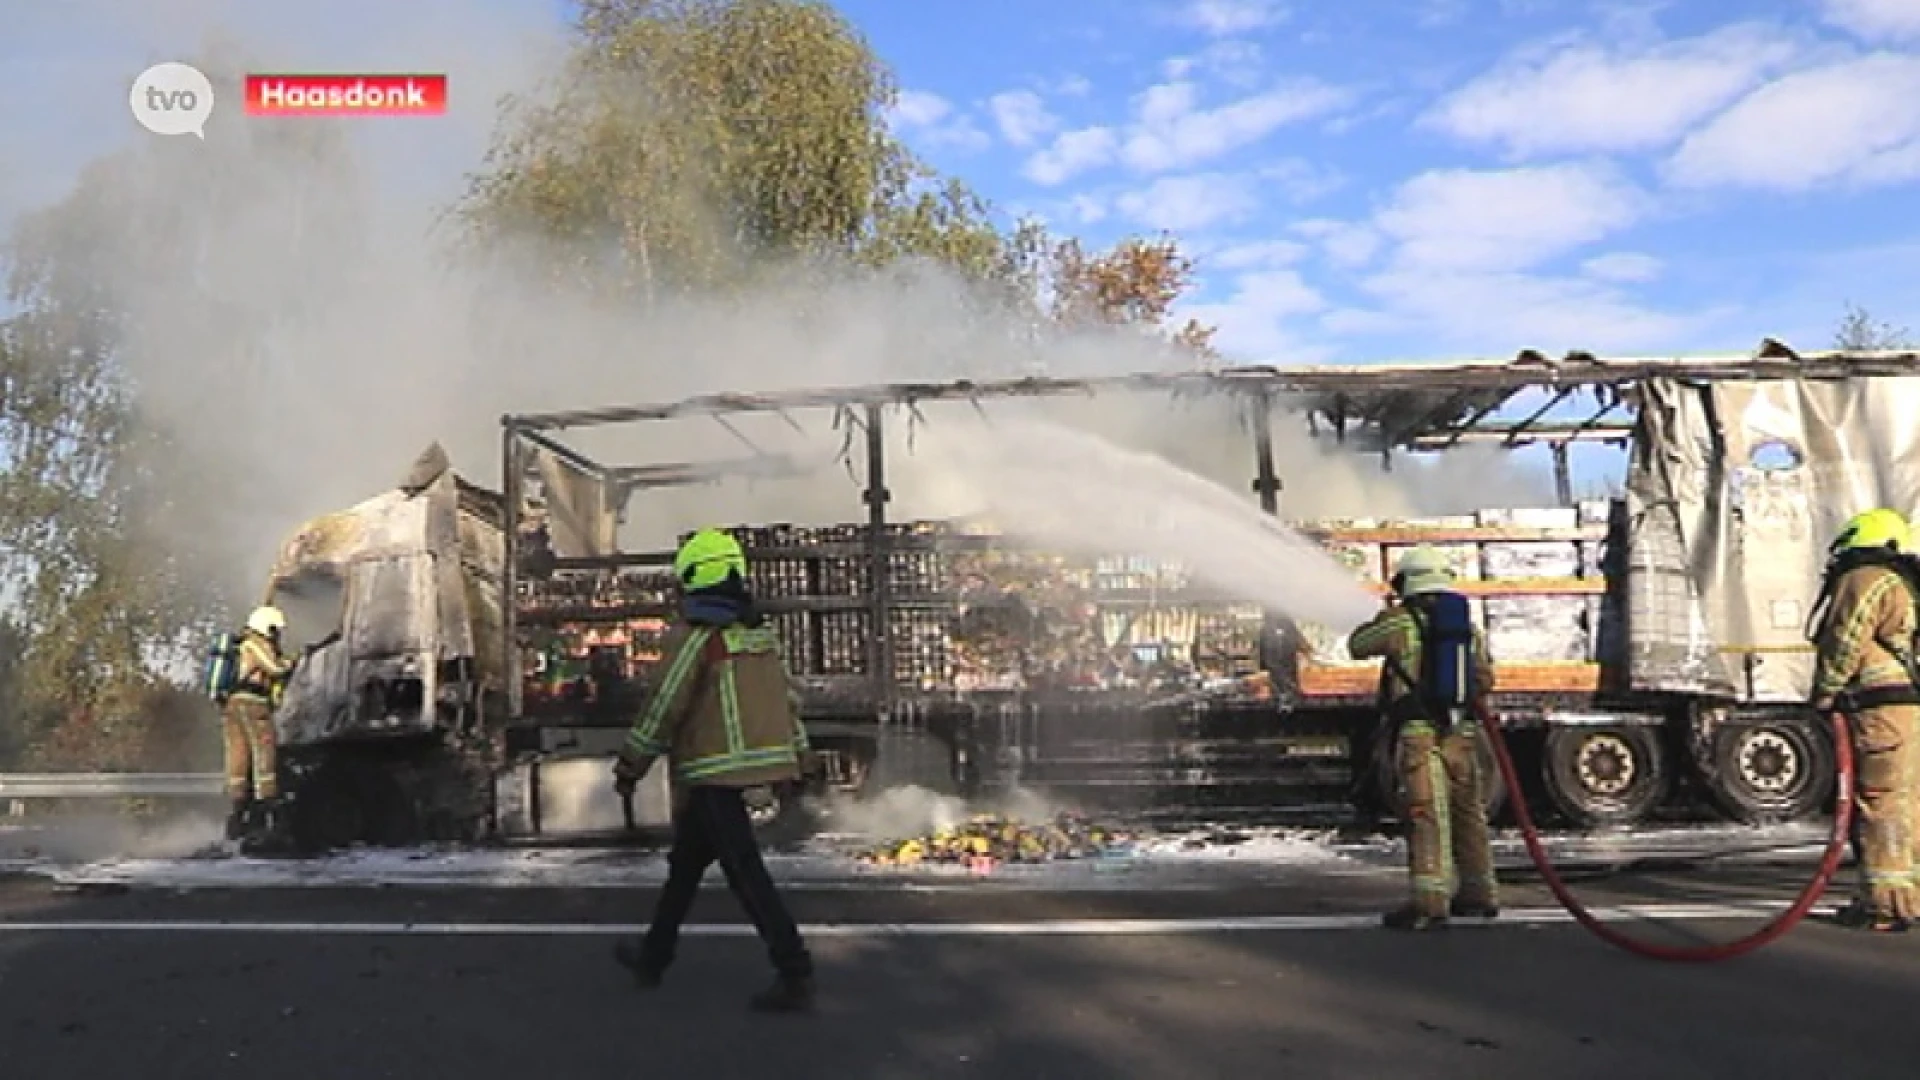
pixel 252 747
pixel 1436 672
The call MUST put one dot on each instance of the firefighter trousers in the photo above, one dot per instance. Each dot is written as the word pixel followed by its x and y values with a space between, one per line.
pixel 1886 748
pixel 712 826
pixel 252 749
pixel 1449 851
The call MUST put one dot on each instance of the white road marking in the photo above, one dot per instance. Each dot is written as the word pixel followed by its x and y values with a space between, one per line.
pixel 1521 917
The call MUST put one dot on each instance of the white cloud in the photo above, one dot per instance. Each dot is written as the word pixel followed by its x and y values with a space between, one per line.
pixel 1237 63
pixel 1301 180
pixel 1464 248
pixel 1501 313
pixel 1256 321
pixel 1073 86
pixel 932 121
pixel 1224 17
pixel 1088 209
pixel 1462 220
pixel 1022 117
pixel 1580 95
pixel 1254 255
pixel 1071 154
pixel 1185 203
pixel 1876 20
pixel 1857 121
pixel 1171 132
pixel 1627 267
pixel 1347 245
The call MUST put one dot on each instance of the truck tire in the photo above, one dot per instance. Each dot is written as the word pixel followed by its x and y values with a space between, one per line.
pixel 1604 776
pixel 1765 771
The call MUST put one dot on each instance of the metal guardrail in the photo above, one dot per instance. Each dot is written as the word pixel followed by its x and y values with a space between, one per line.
pixel 108 785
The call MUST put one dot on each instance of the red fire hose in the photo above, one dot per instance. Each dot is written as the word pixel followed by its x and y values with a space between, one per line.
pixel 1780 924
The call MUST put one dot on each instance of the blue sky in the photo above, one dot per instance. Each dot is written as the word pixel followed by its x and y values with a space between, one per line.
pixel 1388 179
pixel 1426 178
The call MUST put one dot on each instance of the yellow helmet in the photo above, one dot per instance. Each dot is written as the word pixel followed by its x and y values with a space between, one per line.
pixel 1422 569
pixel 1874 529
pixel 707 558
pixel 266 621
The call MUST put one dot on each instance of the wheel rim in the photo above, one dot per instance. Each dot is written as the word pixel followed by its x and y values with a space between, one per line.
pixel 1605 765
pixel 1769 762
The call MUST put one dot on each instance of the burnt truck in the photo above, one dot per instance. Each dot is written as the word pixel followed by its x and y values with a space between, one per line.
pixel 477 654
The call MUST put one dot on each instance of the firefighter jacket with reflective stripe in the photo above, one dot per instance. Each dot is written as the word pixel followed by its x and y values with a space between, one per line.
pixel 720 709
pixel 262 672
pixel 1393 636
pixel 1870 616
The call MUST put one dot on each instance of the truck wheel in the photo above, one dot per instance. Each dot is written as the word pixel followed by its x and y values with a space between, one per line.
pixel 1773 770
pixel 345 802
pixel 1393 798
pixel 1603 777
pixel 328 813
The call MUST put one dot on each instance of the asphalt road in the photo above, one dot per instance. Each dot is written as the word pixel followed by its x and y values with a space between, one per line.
pixel 488 983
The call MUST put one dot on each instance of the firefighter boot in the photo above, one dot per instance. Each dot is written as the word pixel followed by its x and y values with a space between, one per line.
pixel 788 994
pixel 1411 918
pixel 269 835
pixel 1467 909
pixel 1858 916
pixel 630 955
pixel 238 817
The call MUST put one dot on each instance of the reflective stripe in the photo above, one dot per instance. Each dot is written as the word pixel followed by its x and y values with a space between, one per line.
pixel 645 736
pixel 1442 815
pixel 730 708
pixel 722 764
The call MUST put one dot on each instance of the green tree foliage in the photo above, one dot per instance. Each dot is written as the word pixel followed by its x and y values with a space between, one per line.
pixel 126 300
pixel 691 142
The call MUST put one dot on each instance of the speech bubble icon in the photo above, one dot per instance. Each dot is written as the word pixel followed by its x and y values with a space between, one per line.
pixel 172 99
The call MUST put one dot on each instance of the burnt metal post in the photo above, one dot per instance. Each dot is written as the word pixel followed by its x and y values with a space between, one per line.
pixel 880 588
pixel 510 490
pixel 1562 474
pixel 1266 483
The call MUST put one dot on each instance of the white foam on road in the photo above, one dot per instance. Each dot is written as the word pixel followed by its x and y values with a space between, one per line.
pixel 1201 860
pixel 1522 917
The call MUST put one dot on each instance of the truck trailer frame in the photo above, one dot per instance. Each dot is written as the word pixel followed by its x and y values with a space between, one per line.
pixel 1591 725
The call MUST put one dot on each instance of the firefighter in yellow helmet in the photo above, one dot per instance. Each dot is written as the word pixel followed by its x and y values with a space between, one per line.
pixel 1435 670
pixel 720 713
pixel 1865 667
pixel 252 746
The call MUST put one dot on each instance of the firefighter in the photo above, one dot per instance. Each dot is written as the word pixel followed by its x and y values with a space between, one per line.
pixel 1864 667
pixel 252 747
pixel 1435 672
pixel 721 715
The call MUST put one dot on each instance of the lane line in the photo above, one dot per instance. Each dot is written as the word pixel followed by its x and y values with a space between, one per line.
pixel 1523 917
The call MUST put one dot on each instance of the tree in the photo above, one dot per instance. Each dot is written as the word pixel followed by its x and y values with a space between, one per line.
pixel 691 143
pixel 1135 283
pixel 132 310
pixel 1859 331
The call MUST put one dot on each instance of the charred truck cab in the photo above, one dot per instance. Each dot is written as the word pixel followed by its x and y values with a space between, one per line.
pixel 481 655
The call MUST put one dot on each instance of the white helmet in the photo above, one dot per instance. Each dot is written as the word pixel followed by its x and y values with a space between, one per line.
pixel 1422 570
pixel 266 621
